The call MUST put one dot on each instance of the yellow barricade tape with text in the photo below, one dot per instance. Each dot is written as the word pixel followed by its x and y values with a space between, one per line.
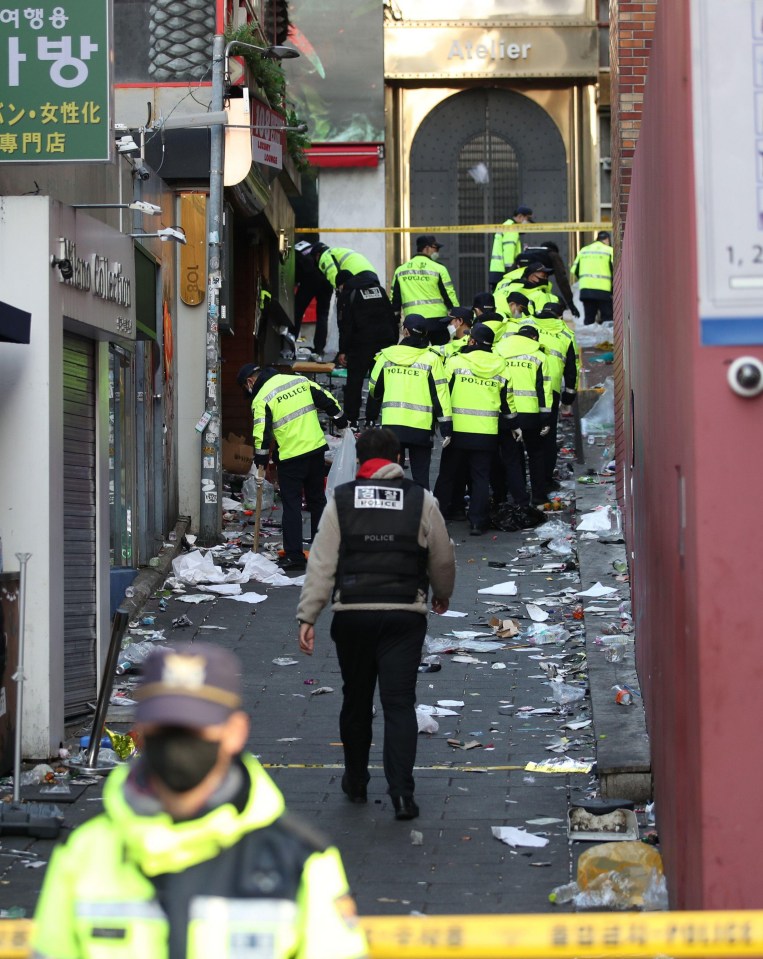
pixel 466 228
pixel 681 935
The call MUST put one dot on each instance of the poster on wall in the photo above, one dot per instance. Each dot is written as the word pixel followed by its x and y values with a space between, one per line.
pixel 337 82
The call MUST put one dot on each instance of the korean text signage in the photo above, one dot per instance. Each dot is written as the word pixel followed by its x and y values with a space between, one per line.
pixel 54 81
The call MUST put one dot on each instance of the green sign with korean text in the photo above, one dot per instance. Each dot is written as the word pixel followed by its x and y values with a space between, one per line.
pixel 55 89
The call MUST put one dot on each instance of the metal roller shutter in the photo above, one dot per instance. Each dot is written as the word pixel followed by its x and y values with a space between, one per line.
pixel 79 525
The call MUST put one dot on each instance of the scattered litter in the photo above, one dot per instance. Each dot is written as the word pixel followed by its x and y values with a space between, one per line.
pixel 284 661
pixel 205 627
pixel 250 598
pixel 536 614
pixel 450 703
pixel 264 570
pixel 498 666
pixel 289 739
pixel 426 721
pixel 223 589
pixel 566 765
pixel 417 838
pixel 597 590
pixel 468 634
pixel 577 724
pixel 509 588
pixel 596 521
pixel 40 774
pixel 504 628
pixel 457 744
pixel 436 710
pixel 621 875
pixel 617 824
pixel 321 690
pixel 196 598
pixel 196 567
pixel 452 612
pixel 565 694
pixel 181 621
pixel 543 821
pixel 430 664
pixel 539 634
pixel 468 659
pixel 514 836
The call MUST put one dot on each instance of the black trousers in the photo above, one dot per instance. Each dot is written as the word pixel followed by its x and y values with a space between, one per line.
pixel 513 455
pixel 322 295
pixel 294 475
pixel 383 645
pixel 550 450
pixel 359 364
pixel 593 307
pixel 420 458
pixel 453 463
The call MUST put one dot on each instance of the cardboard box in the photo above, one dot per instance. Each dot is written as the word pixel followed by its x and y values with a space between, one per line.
pixel 237 455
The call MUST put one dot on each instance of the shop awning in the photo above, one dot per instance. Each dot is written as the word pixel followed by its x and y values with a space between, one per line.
pixel 14 324
pixel 345 154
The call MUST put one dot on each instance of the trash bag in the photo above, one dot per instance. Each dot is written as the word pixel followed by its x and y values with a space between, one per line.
pixel 601 417
pixel 618 875
pixel 344 466
pixel 249 493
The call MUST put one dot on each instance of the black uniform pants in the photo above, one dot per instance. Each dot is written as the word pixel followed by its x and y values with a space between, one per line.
pixel 420 458
pixel 550 451
pixel 453 463
pixel 593 307
pixel 359 364
pixel 513 455
pixel 306 291
pixel 383 645
pixel 294 475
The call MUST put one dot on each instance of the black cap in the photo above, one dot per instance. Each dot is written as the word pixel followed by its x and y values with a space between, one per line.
pixel 482 335
pixel 247 370
pixel 484 301
pixel 603 235
pixel 553 308
pixel 490 316
pixel 516 297
pixel 531 331
pixel 427 240
pixel 342 277
pixel 437 330
pixel 195 684
pixel 416 323
pixel 523 211
pixel 462 313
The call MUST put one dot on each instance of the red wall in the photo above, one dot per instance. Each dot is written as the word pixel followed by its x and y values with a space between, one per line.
pixel 698 588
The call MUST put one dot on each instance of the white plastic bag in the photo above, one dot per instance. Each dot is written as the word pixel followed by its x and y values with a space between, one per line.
pixel 344 466
pixel 601 417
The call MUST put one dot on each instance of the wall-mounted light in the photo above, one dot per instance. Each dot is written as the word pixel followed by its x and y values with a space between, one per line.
pixel 176 233
pixel 142 206
pixel 126 144
pixel 64 266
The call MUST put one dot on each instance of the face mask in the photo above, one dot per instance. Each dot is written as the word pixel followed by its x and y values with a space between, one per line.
pixel 451 330
pixel 178 758
pixel 435 255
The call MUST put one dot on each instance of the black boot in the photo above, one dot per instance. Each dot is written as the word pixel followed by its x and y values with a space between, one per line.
pixel 405 807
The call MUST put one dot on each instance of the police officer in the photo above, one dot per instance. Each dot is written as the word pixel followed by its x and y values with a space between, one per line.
pixel 559 343
pixel 194 851
pixel 422 285
pixel 479 392
pixel 507 245
pixel 367 323
pixel 381 544
pixel 409 381
pixel 311 285
pixel 284 409
pixel 548 254
pixel 528 372
pixel 533 282
pixel 460 321
pixel 331 260
pixel 593 269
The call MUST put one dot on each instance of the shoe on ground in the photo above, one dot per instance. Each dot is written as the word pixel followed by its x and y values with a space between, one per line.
pixel 291 563
pixel 476 531
pixel 354 792
pixel 405 807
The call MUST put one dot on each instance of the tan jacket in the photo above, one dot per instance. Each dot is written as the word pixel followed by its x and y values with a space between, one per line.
pixel 324 556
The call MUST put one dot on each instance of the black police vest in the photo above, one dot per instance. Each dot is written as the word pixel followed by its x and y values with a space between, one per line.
pixel 372 316
pixel 380 560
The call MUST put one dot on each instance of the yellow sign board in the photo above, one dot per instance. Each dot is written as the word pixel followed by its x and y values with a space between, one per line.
pixel 193 256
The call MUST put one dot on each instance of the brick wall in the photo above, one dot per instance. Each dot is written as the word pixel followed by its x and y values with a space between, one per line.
pixel 631 23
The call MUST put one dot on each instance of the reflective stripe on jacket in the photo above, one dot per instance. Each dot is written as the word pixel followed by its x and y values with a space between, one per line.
pixel 593 267
pixel 478 392
pixel 287 399
pixel 338 258
pixel 423 286
pixel 411 385
pixel 506 248
pixel 528 372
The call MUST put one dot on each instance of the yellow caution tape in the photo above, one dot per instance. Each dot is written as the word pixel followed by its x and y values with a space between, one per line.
pixel 676 934
pixel 681 935
pixel 466 228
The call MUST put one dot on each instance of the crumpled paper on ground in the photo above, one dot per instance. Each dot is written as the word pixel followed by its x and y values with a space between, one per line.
pixel 514 836
pixel 264 570
pixel 197 567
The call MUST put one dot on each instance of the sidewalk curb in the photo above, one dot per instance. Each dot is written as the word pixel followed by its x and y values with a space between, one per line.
pixel 150 578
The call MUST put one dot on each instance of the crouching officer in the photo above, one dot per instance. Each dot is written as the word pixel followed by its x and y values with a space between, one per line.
pixel 409 381
pixel 528 370
pixel 381 544
pixel 479 397
pixel 284 409
pixel 194 854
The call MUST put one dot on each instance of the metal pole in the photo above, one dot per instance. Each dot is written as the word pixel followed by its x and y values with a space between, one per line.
pixel 210 516
pixel 23 559
pixel 118 627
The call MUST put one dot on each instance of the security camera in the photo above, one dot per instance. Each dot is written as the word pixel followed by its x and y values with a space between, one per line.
pixel 126 144
pixel 172 233
pixel 143 207
pixel 141 171
pixel 745 376
pixel 301 128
